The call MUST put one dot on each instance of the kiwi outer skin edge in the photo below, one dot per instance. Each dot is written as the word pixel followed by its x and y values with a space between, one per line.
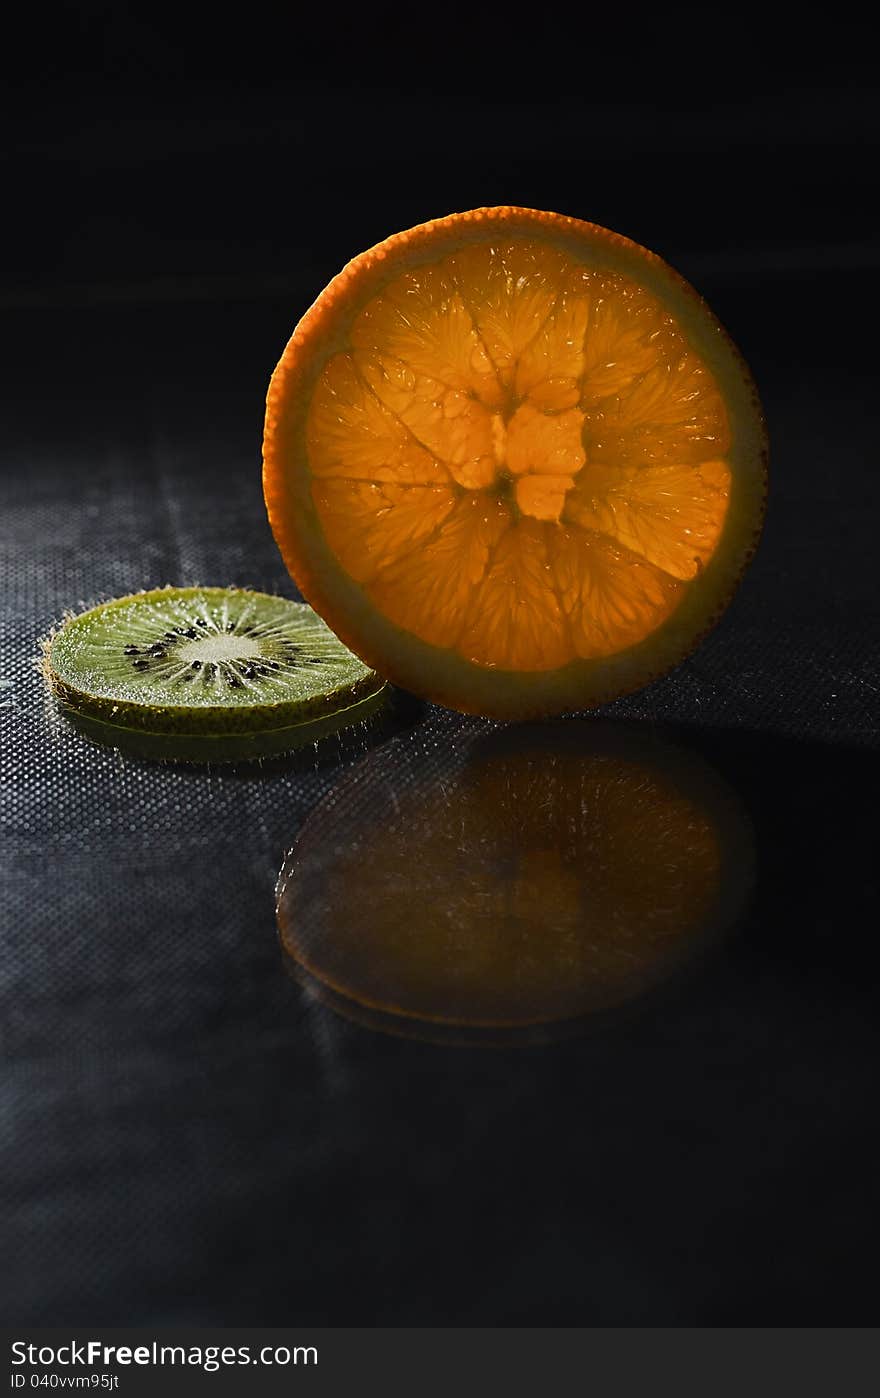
pixel 239 746
pixel 180 721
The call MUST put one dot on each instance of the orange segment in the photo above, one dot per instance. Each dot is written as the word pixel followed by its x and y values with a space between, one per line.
pixel 515 620
pixel 671 515
pixel 351 434
pixel 550 369
pixel 609 594
pixel 450 424
pixel 672 412
pixel 367 522
pixel 514 461
pixel 421 320
pixel 629 334
pixel 422 588
pixel 510 290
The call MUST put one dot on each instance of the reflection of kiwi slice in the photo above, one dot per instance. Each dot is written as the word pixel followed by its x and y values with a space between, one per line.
pixel 207 674
pixel 512 882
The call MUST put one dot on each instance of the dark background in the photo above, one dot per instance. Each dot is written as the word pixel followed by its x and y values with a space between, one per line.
pixel 186 1137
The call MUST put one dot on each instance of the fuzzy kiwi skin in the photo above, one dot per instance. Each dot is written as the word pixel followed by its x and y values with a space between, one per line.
pixel 214 748
pixel 171 721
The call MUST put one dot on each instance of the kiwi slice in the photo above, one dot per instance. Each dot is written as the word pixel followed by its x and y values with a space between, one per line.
pixel 207 674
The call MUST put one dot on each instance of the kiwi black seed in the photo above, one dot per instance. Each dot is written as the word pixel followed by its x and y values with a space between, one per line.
pixel 207 674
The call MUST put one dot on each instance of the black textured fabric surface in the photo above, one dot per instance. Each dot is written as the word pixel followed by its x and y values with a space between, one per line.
pixel 186 1137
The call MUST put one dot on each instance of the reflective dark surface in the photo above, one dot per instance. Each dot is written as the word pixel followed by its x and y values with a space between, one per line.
pixel 505 885
pixel 186 1134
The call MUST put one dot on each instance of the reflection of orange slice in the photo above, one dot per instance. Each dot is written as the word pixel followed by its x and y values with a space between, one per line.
pixel 514 461
pixel 508 881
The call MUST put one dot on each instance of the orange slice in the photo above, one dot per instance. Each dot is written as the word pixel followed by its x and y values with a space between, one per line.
pixel 514 461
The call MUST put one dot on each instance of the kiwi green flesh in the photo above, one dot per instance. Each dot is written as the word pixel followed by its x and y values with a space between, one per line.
pixel 208 661
pixel 224 747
